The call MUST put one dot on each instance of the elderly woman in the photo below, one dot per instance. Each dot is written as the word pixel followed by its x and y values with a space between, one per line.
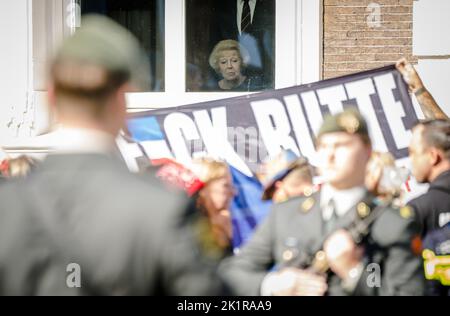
pixel 229 59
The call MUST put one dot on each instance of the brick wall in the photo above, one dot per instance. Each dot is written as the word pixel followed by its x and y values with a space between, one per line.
pixel 355 41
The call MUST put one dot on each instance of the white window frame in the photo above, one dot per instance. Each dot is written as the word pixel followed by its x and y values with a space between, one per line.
pixel 47 28
pixel 298 52
pixel 50 27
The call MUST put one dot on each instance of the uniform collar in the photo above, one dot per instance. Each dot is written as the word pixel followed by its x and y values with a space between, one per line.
pixel 344 200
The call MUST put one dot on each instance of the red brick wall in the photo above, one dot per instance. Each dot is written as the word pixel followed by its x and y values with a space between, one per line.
pixel 351 44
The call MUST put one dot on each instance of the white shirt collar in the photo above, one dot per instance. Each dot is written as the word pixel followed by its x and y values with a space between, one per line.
pixel 83 141
pixel 344 200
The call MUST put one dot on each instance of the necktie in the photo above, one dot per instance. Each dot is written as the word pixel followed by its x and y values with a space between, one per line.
pixel 246 20
pixel 330 223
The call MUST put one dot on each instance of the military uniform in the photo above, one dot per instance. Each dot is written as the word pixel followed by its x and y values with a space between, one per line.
pixel 83 207
pixel 295 230
pixel 433 208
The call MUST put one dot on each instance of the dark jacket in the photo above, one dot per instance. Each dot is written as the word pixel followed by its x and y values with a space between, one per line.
pixel 123 231
pixel 433 208
pixel 249 84
pixel 295 229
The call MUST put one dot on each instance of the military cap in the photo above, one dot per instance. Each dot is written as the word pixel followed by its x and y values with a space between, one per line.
pixel 349 121
pixel 104 44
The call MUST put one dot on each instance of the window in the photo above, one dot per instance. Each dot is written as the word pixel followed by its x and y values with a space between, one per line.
pixel 172 39
pixel 230 45
pixel 143 18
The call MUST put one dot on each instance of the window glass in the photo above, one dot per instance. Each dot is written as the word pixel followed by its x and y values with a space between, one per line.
pixel 143 18
pixel 230 45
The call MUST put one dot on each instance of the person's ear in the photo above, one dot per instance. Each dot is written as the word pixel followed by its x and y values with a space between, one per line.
pixel 368 154
pixel 369 149
pixel 120 100
pixel 278 185
pixel 123 90
pixel 435 156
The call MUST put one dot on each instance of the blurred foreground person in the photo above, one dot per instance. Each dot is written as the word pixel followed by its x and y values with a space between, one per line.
pixel 82 224
pixel 287 176
pixel 338 241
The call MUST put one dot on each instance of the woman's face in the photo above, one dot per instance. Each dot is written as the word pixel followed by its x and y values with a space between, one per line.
pixel 217 196
pixel 230 65
pixel 218 193
pixel 374 173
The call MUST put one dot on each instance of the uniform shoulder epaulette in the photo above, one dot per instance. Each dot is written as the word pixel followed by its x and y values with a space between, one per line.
pixel 392 225
pixel 307 202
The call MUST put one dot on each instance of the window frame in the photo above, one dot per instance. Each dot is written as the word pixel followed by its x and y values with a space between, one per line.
pixel 301 48
pixel 298 57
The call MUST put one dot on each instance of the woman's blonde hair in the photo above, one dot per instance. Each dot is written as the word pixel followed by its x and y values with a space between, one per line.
pixel 228 45
pixel 381 159
pixel 208 169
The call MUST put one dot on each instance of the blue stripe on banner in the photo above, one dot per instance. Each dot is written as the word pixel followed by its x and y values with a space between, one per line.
pixel 145 129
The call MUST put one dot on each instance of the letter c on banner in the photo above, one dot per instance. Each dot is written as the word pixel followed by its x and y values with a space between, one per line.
pixel 180 128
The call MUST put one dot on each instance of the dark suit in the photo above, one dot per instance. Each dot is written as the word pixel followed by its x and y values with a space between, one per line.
pixel 296 227
pixel 123 231
pixel 259 39
pixel 433 208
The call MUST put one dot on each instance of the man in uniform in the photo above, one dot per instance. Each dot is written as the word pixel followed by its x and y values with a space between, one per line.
pixel 82 224
pixel 277 260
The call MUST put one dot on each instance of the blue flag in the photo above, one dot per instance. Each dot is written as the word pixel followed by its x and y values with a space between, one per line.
pixel 247 208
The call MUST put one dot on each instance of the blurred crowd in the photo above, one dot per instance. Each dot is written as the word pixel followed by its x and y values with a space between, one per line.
pixel 169 229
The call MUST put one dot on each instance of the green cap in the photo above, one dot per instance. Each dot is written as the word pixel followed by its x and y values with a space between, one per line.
pixel 350 121
pixel 104 43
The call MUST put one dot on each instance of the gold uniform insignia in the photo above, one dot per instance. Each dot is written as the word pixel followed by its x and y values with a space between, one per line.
pixel 349 122
pixel 288 255
pixel 406 212
pixel 363 210
pixel 308 204
pixel 308 192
